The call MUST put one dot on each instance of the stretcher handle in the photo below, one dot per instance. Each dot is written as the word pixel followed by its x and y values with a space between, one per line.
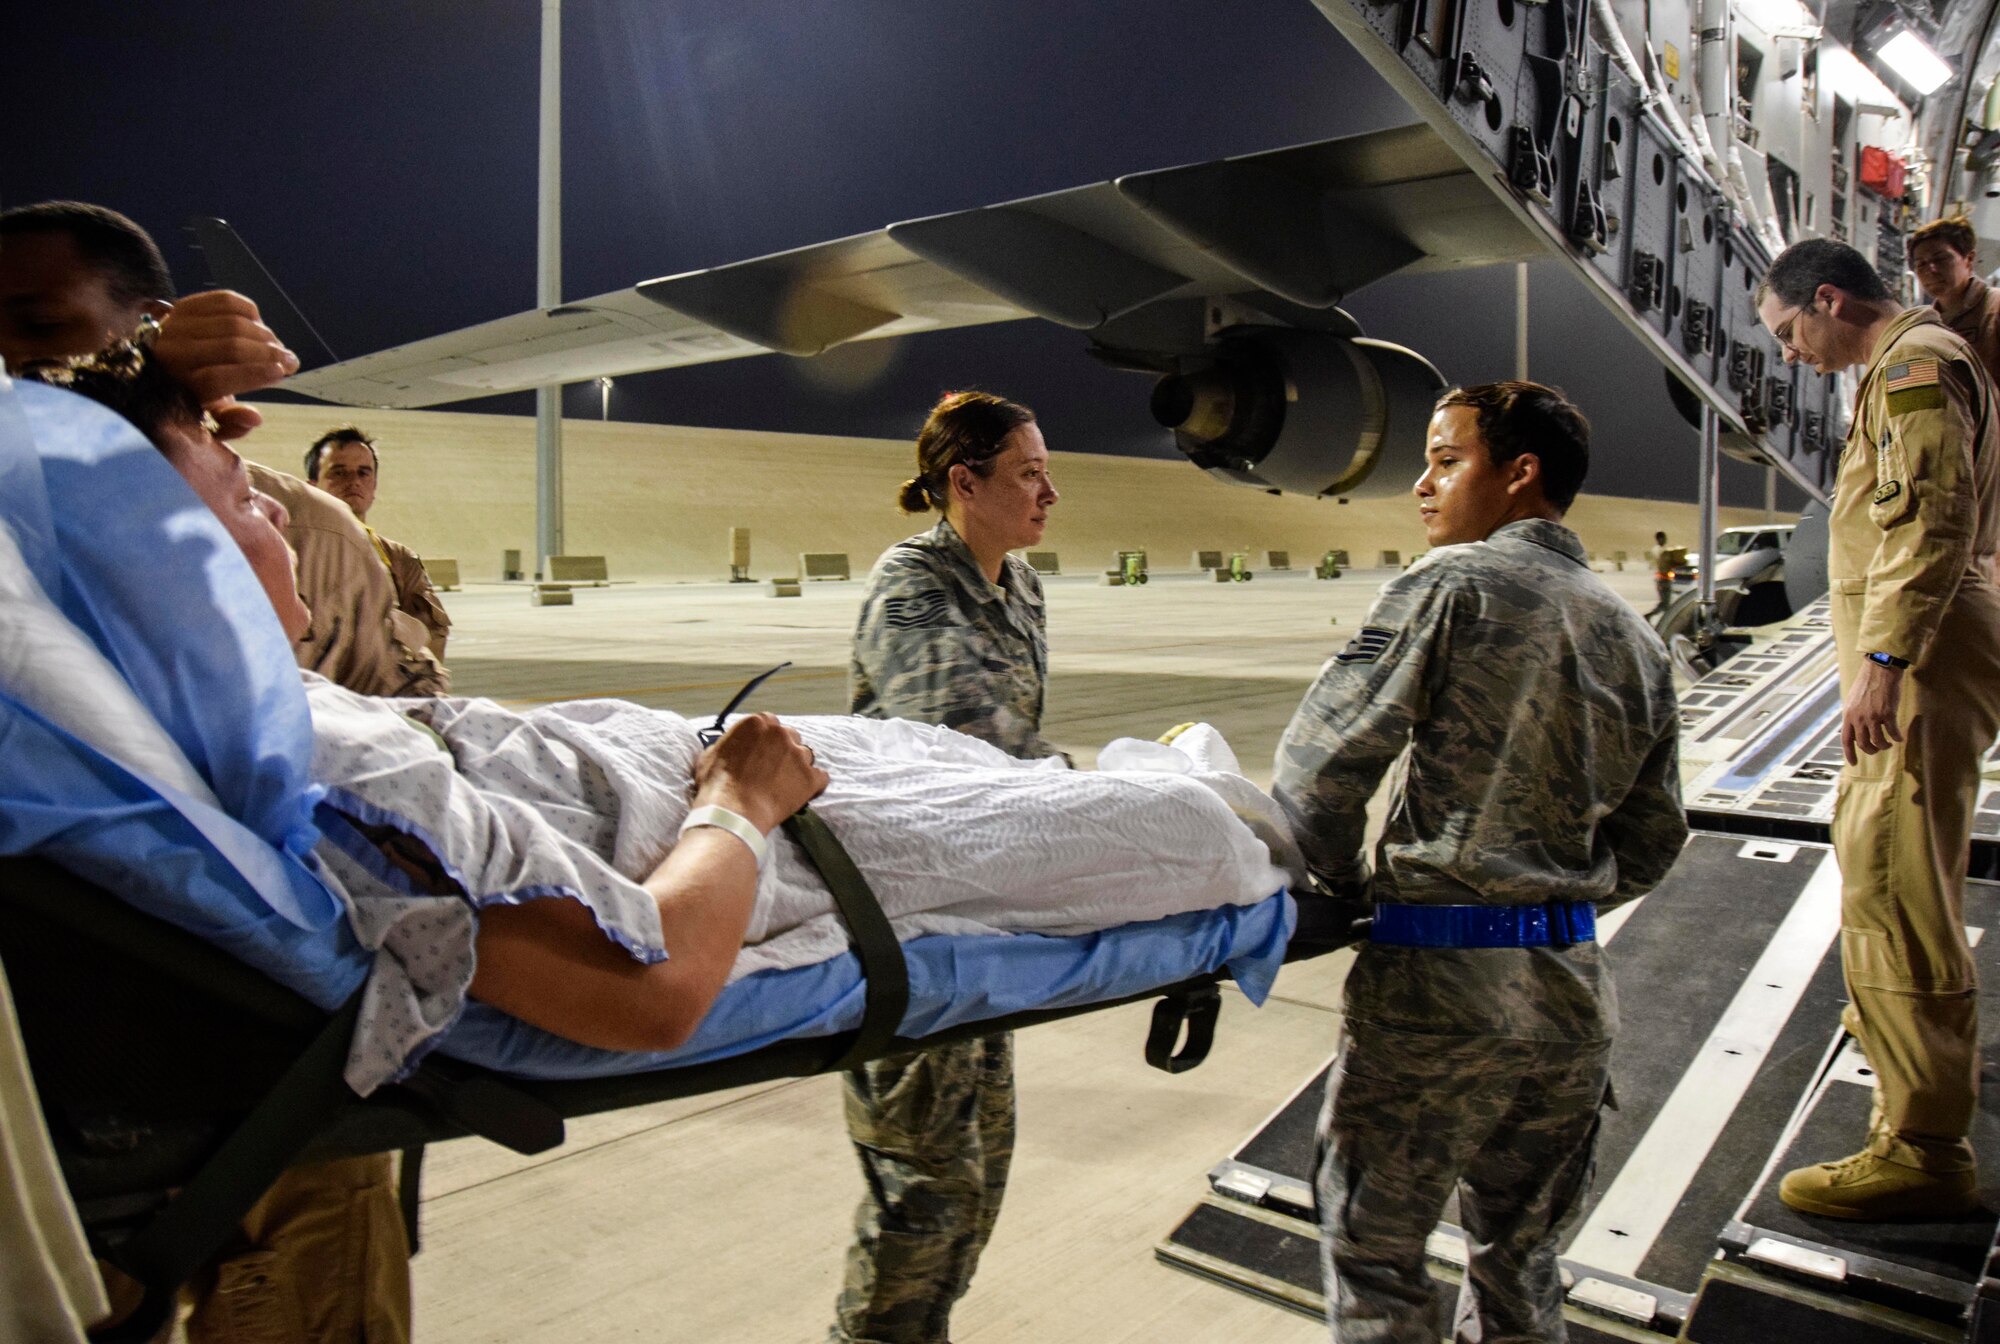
pixel 885 975
pixel 1195 1008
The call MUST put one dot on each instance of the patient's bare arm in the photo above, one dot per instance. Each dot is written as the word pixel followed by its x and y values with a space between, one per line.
pixel 547 963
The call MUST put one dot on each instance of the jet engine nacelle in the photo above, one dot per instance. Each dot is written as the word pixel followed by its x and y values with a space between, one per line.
pixel 1278 408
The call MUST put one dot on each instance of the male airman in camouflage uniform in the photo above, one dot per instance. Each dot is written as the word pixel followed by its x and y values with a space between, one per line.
pixel 1916 622
pixel 1534 713
pixel 952 631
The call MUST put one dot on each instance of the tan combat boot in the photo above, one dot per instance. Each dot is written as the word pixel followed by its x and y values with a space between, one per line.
pixel 1866 1188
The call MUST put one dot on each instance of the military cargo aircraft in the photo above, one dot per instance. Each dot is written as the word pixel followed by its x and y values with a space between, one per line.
pixel 1665 151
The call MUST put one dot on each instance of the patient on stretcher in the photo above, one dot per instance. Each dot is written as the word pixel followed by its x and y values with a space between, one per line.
pixel 536 862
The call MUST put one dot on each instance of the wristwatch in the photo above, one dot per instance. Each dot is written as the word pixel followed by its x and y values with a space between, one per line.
pixel 1889 660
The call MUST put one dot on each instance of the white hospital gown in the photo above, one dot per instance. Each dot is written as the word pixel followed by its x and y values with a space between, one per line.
pixel 583 800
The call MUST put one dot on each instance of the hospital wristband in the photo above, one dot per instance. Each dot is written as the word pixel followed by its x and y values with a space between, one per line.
pixel 736 824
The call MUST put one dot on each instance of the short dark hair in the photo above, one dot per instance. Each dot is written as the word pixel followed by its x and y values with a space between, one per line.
pixel 1954 231
pixel 110 243
pixel 967 428
pixel 1518 417
pixel 339 434
pixel 1803 267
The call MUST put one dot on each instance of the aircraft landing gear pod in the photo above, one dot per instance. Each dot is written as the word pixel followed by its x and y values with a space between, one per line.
pixel 1311 412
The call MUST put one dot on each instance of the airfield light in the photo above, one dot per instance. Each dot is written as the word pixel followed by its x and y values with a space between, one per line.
pixel 1913 58
pixel 1844 73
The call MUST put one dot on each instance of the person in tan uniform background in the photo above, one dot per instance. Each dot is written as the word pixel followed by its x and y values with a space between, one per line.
pixel 359 638
pixel 322 1255
pixel 345 463
pixel 1944 254
pixel 1916 620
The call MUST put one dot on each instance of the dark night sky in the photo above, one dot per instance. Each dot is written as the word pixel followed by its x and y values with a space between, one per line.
pixel 380 157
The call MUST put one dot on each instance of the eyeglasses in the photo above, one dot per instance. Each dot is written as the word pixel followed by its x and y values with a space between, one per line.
pixel 1784 332
pixel 712 734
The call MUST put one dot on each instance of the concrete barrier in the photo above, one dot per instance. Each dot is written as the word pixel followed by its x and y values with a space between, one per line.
pixel 1208 560
pixel 1391 560
pixel 579 569
pixel 823 565
pixel 1044 562
pixel 552 595
pixel 444 574
pixel 1277 559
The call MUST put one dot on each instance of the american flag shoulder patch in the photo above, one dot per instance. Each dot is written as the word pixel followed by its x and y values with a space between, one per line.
pixel 1368 645
pixel 923 611
pixel 1911 373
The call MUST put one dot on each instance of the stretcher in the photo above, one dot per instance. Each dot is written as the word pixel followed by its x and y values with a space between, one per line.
pixel 187 988
pixel 179 1082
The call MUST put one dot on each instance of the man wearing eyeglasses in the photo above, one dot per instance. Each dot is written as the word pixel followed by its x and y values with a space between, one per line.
pixel 1916 620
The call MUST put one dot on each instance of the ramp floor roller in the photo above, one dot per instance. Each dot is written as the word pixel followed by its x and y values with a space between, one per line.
pixel 1730 1067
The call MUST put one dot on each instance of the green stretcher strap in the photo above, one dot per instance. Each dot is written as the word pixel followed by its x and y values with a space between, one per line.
pixel 884 973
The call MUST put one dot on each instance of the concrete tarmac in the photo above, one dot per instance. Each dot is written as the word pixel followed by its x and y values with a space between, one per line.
pixel 724 1218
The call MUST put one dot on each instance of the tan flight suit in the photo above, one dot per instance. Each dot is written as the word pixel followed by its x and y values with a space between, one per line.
pixel 323 1256
pixel 359 638
pixel 1976 316
pixel 1916 516
pixel 415 594
pixel 1663 578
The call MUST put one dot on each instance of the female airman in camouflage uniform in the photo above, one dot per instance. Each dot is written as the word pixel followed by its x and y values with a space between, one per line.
pixel 951 632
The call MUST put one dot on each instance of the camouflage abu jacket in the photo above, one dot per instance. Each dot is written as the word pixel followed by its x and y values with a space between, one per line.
pixel 1534 714
pixel 937 643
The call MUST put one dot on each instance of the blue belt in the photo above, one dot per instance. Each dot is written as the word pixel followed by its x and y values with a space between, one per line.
pixel 1556 924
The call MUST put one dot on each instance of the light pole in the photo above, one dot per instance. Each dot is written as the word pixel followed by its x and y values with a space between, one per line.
pixel 604 398
pixel 548 290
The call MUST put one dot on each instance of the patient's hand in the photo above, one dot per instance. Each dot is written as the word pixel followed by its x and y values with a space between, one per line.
pixel 216 345
pixel 760 769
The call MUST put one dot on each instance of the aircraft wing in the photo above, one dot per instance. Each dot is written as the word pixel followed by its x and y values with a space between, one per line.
pixel 1305 226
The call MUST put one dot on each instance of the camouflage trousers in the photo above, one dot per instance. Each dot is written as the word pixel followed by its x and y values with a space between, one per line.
pixel 1510 1125
pixel 935 1135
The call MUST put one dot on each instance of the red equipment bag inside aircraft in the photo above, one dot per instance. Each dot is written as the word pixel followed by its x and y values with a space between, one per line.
pixel 1882 172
